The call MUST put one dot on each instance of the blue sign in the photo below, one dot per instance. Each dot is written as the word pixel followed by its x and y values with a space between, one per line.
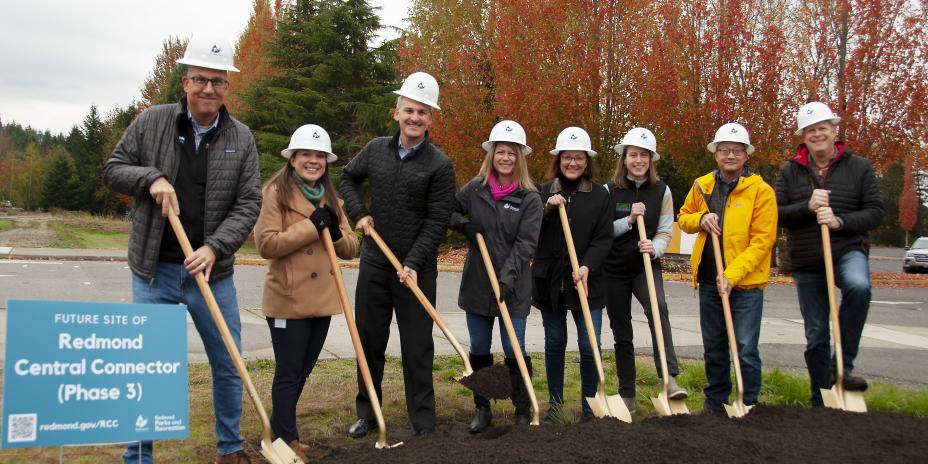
pixel 84 373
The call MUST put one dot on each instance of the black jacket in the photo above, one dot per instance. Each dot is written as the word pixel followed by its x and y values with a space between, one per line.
pixel 511 227
pixel 410 200
pixel 624 259
pixel 855 199
pixel 589 214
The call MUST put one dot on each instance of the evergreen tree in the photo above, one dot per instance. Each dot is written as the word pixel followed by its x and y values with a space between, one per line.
pixel 61 188
pixel 329 75
pixel 89 158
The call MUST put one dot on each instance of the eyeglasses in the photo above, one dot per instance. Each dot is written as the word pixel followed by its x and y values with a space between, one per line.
pixel 218 82
pixel 575 160
pixel 732 151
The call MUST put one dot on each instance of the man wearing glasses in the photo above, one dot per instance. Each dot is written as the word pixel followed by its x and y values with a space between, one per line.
pixel 739 207
pixel 194 158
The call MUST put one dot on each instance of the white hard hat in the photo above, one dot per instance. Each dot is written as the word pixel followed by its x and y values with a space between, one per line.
pixel 421 87
pixel 507 131
pixel 732 132
pixel 814 112
pixel 573 138
pixel 310 137
pixel 209 52
pixel 641 138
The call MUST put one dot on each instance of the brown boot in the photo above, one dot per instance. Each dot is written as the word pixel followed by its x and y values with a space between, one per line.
pixel 238 457
pixel 300 450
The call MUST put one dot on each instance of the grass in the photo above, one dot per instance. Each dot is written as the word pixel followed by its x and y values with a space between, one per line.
pixel 82 230
pixel 327 405
pixel 5 224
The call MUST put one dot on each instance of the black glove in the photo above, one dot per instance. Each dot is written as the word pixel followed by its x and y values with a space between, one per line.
pixel 471 229
pixel 324 217
pixel 504 292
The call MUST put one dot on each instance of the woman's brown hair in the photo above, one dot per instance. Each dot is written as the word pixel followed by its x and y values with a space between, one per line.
pixel 283 182
pixel 620 176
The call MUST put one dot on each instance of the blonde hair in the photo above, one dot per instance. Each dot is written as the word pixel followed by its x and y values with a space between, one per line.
pixel 620 175
pixel 521 171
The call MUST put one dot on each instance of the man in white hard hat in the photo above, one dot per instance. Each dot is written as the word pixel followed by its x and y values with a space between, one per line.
pixel 412 190
pixel 194 158
pixel 739 207
pixel 826 183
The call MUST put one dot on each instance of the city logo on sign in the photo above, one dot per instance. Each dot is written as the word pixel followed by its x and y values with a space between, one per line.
pixel 141 423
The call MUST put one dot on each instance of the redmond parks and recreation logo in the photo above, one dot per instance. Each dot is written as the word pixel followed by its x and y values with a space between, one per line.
pixel 141 423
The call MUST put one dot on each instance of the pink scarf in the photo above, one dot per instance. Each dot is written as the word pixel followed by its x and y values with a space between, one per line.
pixel 500 191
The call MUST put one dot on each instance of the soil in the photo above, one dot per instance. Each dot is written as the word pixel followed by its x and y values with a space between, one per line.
pixel 29 231
pixel 491 382
pixel 767 433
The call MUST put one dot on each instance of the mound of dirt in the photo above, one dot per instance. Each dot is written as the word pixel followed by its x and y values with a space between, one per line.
pixel 767 433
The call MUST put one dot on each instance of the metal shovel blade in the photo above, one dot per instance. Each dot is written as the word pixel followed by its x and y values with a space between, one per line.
pixel 737 409
pixel 609 406
pixel 382 441
pixel 668 407
pixel 843 399
pixel 279 452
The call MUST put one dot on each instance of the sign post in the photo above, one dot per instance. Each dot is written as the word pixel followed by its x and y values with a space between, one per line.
pixel 87 373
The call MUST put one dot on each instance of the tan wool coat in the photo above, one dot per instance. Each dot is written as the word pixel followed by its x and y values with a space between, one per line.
pixel 299 283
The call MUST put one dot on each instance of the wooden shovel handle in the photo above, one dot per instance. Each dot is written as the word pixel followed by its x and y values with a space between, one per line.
pixel 729 324
pixel 423 300
pixel 355 337
pixel 655 311
pixel 581 292
pixel 223 328
pixel 510 331
pixel 833 309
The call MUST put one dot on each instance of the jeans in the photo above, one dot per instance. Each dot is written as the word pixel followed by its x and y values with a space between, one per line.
pixel 480 330
pixel 555 324
pixel 746 311
pixel 173 285
pixel 852 276
pixel 296 350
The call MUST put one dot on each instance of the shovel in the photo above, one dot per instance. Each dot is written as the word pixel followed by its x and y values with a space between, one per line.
pixel 737 408
pixel 356 341
pixel 602 405
pixel 837 397
pixel 276 451
pixel 468 370
pixel 507 321
pixel 663 404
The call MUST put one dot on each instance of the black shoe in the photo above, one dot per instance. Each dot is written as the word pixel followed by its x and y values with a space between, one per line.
pixel 587 416
pixel 854 383
pixel 425 433
pixel 482 420
pixel 522 419
pixel 361 428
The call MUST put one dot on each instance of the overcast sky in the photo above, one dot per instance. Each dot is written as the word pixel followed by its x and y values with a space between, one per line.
pixel 59 57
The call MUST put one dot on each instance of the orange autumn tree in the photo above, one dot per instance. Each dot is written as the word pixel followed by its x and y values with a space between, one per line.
pixel 908 201
pixel 251 57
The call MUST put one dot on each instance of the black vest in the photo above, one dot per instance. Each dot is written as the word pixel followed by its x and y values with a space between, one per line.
pixel 624 259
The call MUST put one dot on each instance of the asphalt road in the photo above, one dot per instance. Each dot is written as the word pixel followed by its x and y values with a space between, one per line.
pixel 895 344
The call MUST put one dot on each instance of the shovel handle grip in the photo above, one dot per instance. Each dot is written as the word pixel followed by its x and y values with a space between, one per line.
pixel 510 331
pixel 729 325
pixel 423 300
pixel 833 308
pixel 355 337
pixel 223 328
pixel 655 311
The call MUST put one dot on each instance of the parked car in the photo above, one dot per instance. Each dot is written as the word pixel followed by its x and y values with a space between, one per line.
pixel 916 256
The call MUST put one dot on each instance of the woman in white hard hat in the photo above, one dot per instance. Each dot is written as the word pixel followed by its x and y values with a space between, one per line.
pixel 636 190
pixel 571 184
pixel 300 296
pixel 503 205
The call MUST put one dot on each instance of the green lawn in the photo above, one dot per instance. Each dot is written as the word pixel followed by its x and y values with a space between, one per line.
pixel 5 224
pixel 71 236
pixel 327 405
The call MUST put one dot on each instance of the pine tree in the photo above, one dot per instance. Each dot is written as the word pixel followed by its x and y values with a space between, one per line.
pixel 89 158
pixel 61 188
pixel 329 75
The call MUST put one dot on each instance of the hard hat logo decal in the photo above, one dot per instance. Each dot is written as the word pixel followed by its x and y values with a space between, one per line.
pixel 315 135
pixel 421 86
pixel 809 111
pixel 644 136
pixel 734 130
pixel 573 136
pixel 508 128
pixel 215 50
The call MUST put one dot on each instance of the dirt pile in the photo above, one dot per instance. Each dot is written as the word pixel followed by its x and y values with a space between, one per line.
pixel 777 434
